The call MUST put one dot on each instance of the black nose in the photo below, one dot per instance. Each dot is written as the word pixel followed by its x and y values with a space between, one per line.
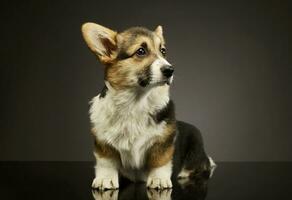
pixel 167 71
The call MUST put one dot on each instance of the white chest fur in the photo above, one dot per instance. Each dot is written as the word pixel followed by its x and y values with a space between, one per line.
pixel 123 119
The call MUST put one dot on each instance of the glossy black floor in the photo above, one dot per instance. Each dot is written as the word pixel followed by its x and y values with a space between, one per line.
pixel 72 180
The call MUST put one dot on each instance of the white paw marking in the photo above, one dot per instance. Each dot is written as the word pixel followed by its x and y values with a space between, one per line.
pixel 212 166
pixel 103 183
pixel 184 174
pixel 159 183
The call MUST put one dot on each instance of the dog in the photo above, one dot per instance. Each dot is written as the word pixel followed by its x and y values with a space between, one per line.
pixel 136 134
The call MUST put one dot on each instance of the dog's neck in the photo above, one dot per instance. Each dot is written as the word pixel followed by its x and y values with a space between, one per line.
pixel 145 99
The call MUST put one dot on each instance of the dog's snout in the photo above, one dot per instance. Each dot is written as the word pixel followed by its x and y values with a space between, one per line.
pixel 167 71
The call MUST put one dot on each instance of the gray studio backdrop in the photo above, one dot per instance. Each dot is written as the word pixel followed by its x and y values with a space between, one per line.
pixel 232 74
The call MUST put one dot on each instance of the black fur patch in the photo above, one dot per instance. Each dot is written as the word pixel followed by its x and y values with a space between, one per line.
pixel 189 151
pixel 145 77
pixel 103 92
pixel 134 33
pixel 165 114
pixel 122 55
pixel 137 31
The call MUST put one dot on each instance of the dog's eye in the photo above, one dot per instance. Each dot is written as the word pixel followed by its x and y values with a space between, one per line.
pixel 163 51
pixel 141 52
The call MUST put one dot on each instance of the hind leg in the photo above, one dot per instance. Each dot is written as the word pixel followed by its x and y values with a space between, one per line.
pixel 193 159
pixel 205 168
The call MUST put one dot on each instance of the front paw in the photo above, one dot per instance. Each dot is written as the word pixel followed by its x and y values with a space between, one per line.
pixel 103 183
pixel 159 183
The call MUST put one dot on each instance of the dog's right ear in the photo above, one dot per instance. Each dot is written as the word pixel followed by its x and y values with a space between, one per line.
pixel 101 40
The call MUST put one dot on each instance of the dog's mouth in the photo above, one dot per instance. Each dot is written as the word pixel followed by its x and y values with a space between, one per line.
pixel 150 81
pixel 164 81
pixel 169 80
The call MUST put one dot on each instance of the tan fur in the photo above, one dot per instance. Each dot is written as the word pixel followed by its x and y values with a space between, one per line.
pixel 159 156
pixel 104 47
pixel 104 150
pixel 121 74
pixel 162 150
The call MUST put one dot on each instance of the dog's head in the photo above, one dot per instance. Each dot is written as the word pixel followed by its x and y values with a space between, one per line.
pixel 134 58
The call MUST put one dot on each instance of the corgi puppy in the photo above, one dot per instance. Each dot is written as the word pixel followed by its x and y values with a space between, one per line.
pixel 133 121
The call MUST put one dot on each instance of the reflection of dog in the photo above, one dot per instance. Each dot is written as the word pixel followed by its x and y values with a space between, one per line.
pixel 132 192
pixel 195 189
pixel 133 119
pixel 105 195
pixel 154 194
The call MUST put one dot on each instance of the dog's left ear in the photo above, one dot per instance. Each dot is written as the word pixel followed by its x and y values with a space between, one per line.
pixel 159 31
pixel 101 40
